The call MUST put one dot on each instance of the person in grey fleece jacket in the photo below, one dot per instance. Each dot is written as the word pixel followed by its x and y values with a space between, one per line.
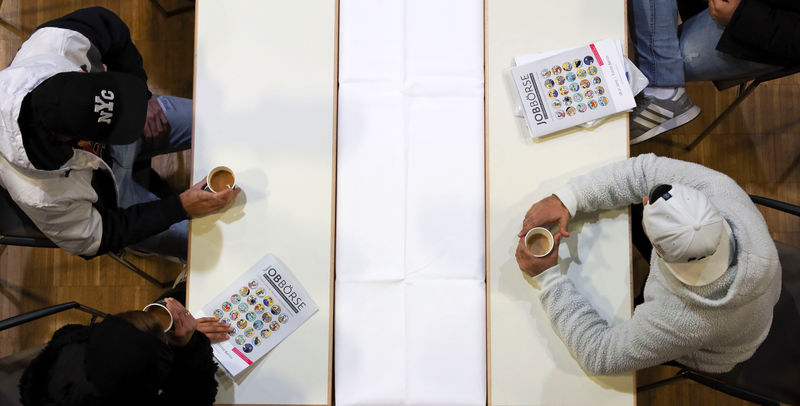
pixel 709 328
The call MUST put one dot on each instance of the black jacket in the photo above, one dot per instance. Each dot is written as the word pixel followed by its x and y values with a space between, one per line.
pixel 766 31
pixel 62 374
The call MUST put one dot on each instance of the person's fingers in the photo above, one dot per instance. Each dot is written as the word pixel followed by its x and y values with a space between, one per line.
pixel 163 118
pixel 521 248
pixel 158 128
pixel 712 8
pixel 212 326
pixel 227 195
pixel 556 240
pixel 216 337
pixel 199 185
pixel 562 226
pixel 152 128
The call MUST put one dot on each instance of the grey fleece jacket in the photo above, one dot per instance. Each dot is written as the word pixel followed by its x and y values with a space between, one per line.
pixel 709 328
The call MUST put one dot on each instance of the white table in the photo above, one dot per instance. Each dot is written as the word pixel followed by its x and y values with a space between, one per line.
pixel 529 364
pixel 264 103
pixel 278 61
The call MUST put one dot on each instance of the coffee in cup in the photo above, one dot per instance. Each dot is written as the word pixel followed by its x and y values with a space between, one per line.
pixel 219 179
pixel 161 313
pixel 539 241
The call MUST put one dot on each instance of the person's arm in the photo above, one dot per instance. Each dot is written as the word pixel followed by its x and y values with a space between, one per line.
pixel 109 34
pixel 123 227
pixel 651 337
pixel 762 26
pixel 190 380
pixel 616 185
pixel 627 182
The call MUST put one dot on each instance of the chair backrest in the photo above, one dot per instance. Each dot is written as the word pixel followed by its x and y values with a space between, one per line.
pixel 16 228
pixel 773 371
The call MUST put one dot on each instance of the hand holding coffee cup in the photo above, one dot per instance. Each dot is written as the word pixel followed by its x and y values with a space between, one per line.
pixel 538 251
pixel 159 310
pixel 184 324
pixel 546 211
pixel 198 202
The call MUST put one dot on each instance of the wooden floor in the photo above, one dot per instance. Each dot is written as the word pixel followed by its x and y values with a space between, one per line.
pixel 758 146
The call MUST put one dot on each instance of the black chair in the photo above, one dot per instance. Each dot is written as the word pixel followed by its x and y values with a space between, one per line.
pixel 47 311
pixel 742 93
pixel 16 228
pixel 12 366
pixel 772 375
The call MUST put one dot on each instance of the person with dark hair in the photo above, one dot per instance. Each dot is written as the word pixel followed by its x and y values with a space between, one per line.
pixel 76 113
pixel 127 359
pixel 722 40
pixel 714 271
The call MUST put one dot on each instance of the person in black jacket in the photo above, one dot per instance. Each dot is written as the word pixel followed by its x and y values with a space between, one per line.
pixel 728 39
pixel 126 359
pixel 74 137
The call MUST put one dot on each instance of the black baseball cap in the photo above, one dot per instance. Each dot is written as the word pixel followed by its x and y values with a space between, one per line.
pixel 108 107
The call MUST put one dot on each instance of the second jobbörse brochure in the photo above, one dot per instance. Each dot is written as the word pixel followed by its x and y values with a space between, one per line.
pixel 264 306
pixel 570 87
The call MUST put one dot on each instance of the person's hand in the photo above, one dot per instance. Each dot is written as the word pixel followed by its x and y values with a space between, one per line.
pixel 533 265
pixel 183 324
pixel 722 10
pixel 215 330
pixel 198 202
pixel 546 211
pixel 156 126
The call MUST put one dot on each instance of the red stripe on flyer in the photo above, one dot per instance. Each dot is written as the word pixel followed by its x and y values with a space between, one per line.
pixel 596 55
pixel 239 353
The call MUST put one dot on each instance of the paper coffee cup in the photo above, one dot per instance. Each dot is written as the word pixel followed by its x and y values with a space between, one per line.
pixel 160 311
pixel 539 241
pixel 219 179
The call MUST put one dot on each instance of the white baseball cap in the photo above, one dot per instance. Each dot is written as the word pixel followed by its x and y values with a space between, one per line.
pixel 690 236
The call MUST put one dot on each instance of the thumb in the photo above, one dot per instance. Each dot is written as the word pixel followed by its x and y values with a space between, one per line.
pixel 556 240
pixel 562 226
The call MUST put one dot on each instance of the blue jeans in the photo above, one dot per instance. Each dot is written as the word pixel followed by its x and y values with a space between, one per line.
pixel 670 59
pixel 173 241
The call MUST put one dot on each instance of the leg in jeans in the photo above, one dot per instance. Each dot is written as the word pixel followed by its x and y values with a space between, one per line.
pixel 702 61
pixel 657 44
pixel 173 241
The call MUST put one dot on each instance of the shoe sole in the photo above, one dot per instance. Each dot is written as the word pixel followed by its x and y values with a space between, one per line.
pixel 674 122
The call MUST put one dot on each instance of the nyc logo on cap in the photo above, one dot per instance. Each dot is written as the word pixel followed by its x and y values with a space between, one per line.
pixel 104 105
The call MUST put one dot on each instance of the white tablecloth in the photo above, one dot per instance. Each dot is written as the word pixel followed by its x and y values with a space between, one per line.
pixel 410 290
